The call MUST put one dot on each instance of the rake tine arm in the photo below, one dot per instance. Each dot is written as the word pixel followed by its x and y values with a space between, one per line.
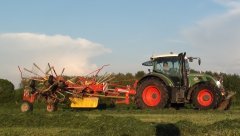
pixel 32 72
pixel 98 70
pixel 54 71
pixel 50 69
pixel 20 72
pixel 62 71
pixel 38 68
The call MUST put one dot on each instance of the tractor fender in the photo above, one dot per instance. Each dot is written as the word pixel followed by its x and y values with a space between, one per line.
pixel 200 78
pixel 165 80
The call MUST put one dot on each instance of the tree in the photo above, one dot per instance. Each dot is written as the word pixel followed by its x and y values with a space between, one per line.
pixel 129 76
pixel 6 91
pixel 139 74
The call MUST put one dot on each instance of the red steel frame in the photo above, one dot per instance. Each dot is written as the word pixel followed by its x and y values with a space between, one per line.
pixel 89 87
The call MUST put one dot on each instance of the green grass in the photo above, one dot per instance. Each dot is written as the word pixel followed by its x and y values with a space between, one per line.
pixel 120 121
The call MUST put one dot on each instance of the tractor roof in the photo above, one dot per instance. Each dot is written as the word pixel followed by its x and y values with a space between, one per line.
pixel 165 55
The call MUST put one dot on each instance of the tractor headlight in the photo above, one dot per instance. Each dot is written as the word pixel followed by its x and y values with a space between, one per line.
pixel 218 83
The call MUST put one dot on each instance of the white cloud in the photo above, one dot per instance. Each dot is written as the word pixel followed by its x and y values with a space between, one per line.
pixel 23 49
pixel 233 4
pixel 216 38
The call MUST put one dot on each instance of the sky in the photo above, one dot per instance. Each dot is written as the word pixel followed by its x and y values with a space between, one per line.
pixel 83 35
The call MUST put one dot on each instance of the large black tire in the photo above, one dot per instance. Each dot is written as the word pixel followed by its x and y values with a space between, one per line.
pixel 205 96
pixel 26 106
pixel 152 94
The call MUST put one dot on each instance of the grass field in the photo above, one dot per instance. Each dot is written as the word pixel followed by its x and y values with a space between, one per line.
pixel 120 121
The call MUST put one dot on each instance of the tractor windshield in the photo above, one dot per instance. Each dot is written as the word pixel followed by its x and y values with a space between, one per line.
pixel 167 65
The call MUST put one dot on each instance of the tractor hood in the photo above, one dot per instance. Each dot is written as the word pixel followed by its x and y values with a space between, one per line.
pixel 197 78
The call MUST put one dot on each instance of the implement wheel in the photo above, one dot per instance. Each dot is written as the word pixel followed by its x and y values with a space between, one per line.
pixel 51 107
pixel 26 106
pixel 205 96
pixel 151 93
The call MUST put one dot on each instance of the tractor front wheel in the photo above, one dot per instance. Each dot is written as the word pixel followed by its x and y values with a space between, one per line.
pixel 26 106
pixel 151 93
pixel 205 96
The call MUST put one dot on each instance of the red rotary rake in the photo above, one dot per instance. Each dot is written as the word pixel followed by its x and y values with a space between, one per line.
pixel 81 91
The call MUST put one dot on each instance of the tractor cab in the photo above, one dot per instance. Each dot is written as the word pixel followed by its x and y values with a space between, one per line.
pixel 169 65
pixel 173 66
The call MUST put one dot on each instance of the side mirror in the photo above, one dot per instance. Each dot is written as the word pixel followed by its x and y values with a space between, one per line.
pixel 199 61
pixel 190 59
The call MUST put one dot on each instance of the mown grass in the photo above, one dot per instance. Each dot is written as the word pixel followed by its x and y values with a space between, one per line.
pixel 120 121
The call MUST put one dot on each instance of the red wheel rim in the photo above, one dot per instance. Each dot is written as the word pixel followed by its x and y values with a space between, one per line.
pixel 151 96
pixel 205 97
pixel 49 107
pixel 24 107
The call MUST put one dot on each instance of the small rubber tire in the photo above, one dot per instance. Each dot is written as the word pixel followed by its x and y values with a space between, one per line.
pixel 51 107
pixel 26 106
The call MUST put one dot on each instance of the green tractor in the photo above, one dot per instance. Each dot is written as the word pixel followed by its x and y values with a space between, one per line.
pixel 171 83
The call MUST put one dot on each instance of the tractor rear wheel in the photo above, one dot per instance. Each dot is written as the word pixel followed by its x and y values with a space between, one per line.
pixel 26 106
pixel 205 96
pixel 151 93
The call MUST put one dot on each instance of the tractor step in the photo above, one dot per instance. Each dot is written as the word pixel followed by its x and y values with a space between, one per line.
pixel 180 97
pixel 85 102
